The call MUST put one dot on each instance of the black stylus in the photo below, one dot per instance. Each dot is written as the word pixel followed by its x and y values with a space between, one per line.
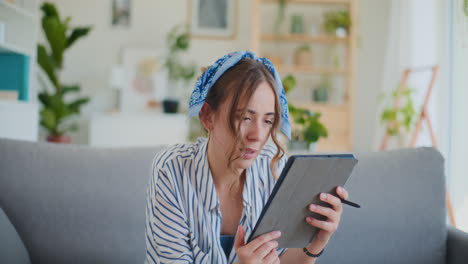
pixel 350 203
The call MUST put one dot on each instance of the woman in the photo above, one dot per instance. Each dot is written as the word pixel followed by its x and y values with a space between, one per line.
pixel 204 198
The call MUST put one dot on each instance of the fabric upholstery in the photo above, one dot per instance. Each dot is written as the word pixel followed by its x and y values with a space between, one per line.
pixel 12 250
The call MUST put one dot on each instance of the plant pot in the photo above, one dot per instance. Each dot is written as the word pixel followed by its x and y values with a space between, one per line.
pixel 170 106
pixel 275 59
pixel 61 139
pixel 341 32
pixel 303 58
pixel 301 146
pixel 297 24
pixel 297 145
pixel 320 94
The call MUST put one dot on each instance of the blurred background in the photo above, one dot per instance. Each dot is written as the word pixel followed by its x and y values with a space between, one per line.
pixel 361 75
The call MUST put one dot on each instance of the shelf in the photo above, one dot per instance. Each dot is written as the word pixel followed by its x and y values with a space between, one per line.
pixel 8 48
pixel 321 106
pixel 19 120
pixel 311 70
pixel 312 1
pixel 303 38
pixel 15 8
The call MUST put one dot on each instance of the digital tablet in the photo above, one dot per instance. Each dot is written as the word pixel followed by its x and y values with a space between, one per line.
pixel 303 178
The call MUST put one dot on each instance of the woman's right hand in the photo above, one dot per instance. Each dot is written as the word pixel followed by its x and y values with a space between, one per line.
pixel 260 250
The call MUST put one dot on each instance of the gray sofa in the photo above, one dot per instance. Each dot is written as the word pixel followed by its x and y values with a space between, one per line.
pixel 75 204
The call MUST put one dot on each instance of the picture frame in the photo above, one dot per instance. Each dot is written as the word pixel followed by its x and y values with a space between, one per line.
pixel 213 19
pixel 121 13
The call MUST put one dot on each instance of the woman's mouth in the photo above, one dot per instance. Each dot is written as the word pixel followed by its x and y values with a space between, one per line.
pixel 249 153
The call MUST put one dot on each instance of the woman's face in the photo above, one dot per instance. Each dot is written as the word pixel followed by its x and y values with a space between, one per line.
pixel 255 126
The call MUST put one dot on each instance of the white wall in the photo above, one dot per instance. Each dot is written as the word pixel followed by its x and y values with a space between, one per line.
pixel 89 62
pixel 458 144
pixel 372 41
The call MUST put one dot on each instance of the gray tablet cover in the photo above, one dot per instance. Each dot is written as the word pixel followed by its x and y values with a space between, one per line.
pixel 303 178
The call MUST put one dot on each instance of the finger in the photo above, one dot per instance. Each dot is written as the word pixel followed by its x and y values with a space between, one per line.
pixel 239 238
pixel 259 241
pixel 265 249
pixel 342 192
pixel 334 201
pixel 324 225
pixel 271 257
pixel 325 211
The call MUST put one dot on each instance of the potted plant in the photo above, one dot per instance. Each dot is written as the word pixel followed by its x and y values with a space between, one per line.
pixel 279 15
pixel 306 126
pixel 320 93
pixel 297 24
pixel 399 119
pixel 57 110
pixel 337 23
pixel 303 56
pixel 178 73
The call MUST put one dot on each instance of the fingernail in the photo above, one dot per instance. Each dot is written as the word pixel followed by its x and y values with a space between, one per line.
pixel 323 196
pixel 277 233
pixel 340 189
pixel 312 207
pixel 309 219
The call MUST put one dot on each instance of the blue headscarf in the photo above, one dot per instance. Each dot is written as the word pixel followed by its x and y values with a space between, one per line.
pixel 212 74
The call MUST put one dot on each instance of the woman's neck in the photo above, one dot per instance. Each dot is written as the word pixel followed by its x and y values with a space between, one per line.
pixel 223 177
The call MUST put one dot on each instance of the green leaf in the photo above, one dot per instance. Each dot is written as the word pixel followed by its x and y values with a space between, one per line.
pixel 47 64
pixel 55 31
pixel 49 10
pixel 389 115
pixel 75 106
pixel 289 83
pixel 70 88
pixel 48 120
pixel 182 42
pixel 76 34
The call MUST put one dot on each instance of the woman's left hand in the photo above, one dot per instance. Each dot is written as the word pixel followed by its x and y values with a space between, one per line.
pixel 333 215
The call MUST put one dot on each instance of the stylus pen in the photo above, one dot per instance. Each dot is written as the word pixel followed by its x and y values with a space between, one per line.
pixel 350 203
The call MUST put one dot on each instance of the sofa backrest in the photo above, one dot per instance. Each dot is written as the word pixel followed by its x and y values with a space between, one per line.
pixel 75 204
pixel 402 219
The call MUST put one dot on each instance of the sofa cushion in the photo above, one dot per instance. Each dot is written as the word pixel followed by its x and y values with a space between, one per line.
pixel 402 219
pixel 76 204
pixel 12 250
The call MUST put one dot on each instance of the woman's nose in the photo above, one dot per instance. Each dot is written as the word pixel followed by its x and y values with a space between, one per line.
pixel 255 131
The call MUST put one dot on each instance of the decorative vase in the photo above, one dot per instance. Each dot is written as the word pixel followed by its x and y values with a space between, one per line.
pixel 297 24
pixel 170 106
pixel 321 94
pixel 62 139
pixel 312 146
pixel 341 32
pixel 297 145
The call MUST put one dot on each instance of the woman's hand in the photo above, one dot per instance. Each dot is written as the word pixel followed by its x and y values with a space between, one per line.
pixel 330 225
pixel 260 250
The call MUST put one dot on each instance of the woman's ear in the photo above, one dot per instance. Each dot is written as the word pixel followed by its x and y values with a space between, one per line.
pixel 207 117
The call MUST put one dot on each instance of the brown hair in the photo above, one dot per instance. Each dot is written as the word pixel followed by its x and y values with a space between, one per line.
pixel 240 83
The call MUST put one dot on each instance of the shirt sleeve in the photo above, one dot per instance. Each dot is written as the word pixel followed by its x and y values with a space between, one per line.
pixel 167 231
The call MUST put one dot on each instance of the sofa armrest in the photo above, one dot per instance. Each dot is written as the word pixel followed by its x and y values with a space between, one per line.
pixel 457 246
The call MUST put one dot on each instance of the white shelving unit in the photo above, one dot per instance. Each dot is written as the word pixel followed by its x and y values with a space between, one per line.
pixel 19 119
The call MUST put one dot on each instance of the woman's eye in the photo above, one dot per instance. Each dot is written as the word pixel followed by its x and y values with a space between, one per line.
pixel 270 122
pixel 246 118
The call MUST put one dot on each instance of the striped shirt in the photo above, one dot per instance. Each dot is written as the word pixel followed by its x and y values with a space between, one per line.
pixel 183 217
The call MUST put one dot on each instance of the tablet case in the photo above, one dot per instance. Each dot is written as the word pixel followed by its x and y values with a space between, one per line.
pixel 303 178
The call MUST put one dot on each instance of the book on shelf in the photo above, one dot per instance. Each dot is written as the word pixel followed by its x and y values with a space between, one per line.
pixel 8 96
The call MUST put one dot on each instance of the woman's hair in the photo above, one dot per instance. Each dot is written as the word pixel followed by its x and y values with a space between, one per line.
pixel 240 83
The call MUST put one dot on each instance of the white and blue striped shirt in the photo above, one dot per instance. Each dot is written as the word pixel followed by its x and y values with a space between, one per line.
pixel 183 217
